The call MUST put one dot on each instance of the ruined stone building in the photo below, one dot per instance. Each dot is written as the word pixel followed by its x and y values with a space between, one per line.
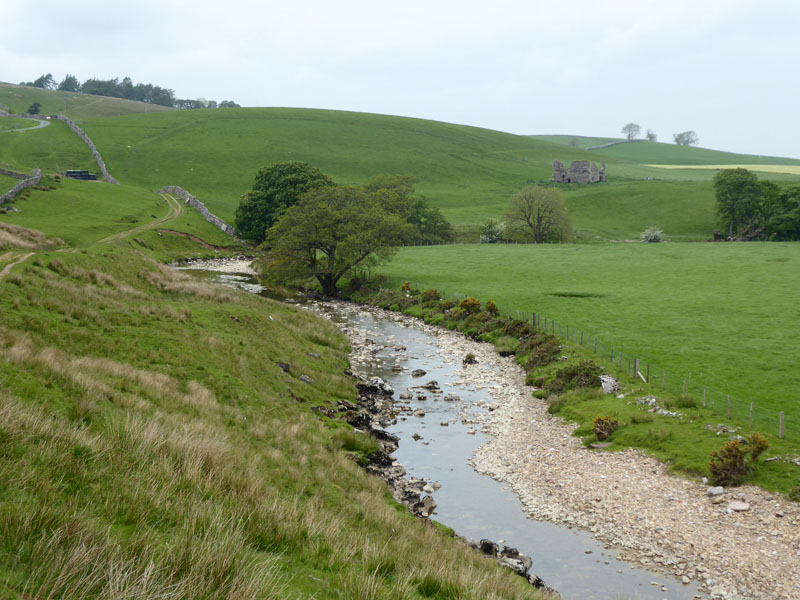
pixel 579 172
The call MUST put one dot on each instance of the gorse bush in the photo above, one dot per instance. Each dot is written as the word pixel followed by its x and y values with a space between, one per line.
pixel 736 460
pixel 491 308
pixel 430 295
pixel 603 427
pixel 471 306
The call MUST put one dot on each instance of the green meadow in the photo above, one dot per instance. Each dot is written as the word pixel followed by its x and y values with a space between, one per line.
pixel 52 149
pixel 721 315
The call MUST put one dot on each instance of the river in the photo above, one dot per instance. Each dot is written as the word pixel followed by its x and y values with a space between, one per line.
pixel 439 446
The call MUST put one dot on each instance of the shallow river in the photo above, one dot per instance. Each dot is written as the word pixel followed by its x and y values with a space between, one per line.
pixel 475 506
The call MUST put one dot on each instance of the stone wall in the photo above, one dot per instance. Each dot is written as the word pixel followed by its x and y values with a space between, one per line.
pixel 14 174
pixel 100 162
pixel 201 208
pixel 29 181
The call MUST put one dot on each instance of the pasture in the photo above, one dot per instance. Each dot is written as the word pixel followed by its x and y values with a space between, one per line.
pixel 721 315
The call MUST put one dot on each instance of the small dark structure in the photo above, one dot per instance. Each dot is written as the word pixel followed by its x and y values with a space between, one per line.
pixel 579 172
pixel 82 175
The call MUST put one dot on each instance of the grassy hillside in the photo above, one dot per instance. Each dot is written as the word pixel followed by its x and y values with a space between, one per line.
pixel 76 106
pixel 54 148
pixel 470 173
pixel 722 315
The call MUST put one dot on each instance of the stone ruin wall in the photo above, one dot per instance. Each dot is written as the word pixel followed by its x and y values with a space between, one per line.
pixel 27 181
pixel 579 171
pixel 201 208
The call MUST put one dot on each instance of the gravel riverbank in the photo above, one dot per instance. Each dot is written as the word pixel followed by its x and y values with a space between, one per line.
pixel 629 501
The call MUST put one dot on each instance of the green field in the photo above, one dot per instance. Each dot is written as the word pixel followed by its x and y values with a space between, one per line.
pixel 52 149
pixel 14 124
pixel 721 315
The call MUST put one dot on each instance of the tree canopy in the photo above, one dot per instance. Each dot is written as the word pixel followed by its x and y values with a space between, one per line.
pixel 275 189
pixel 396 194
pixel 631 131
pixel 750 209
pixel 685 138
pixel 541 214
pixel 330 231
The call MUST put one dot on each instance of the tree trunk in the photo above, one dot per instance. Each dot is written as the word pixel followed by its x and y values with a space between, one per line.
pixel 328 285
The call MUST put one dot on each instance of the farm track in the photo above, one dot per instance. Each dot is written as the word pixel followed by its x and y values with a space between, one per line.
pixel 175 210
pixel 15 261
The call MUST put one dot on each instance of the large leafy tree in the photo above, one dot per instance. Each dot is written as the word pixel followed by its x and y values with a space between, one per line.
pixel 631 131
pixel 541 214
pixel 330 231
pixel 275 189
pixel 785 223
pixel 397 195
pixel 739 197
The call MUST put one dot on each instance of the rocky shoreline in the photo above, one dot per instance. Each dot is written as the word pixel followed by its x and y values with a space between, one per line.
pixel 741 544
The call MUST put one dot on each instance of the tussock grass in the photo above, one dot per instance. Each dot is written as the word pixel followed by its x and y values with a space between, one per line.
pixel 15 236
pixel 150 456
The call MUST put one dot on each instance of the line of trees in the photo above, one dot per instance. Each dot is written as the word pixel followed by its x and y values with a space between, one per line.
pixel 749 209
pixel 631 132
pixel 114 88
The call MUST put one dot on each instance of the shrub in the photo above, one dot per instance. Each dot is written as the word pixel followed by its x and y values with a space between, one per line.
pixel 470 306
pixel 493 231
pixel 735 461
pixel 430 295
pixel 580 375
pixel 406 287
pixel 492 309
pixel 604 427
pixel 544 348
pixel 447 305
pixel 469 359
pixel 356 283
pixel 651 235
pixel 540 394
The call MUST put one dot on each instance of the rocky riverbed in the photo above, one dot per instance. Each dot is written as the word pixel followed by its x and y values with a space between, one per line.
pixel 742 543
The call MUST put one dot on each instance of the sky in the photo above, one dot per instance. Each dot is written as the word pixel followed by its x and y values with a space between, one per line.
pixel 727 69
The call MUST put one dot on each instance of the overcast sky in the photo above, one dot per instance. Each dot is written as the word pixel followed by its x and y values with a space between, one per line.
pixel 727 69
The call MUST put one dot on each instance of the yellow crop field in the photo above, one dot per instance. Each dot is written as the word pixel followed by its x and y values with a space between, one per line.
pixel 789 169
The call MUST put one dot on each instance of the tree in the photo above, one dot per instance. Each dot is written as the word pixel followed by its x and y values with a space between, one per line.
pixel 228 104
pixel 785 224
pixel 541 212
pixel 493 232
pixel 330 231
pixel 739 195
pixel 275 189
pixel 631 130
pixel 69 84
pixel 651 136
pixel 685 138
pixel 45 82
pixel 396 194
pixel 34 108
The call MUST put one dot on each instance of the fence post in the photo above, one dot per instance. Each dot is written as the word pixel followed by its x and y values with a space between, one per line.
pixel 704 396
pixel 751 415
pixel 612 355
pixel 581 338
pixel 648 372
pixel 729 406
pixel 635 368
pixel 595 345
pixel 684 386
pixel 780 425
pixel 553 323
pixel 664 380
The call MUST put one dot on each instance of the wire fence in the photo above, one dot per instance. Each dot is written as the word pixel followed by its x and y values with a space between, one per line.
pixel 745 414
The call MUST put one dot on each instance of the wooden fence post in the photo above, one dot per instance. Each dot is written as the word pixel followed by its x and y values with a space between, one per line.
pixel 704 396
pixel 729 406
pixel 751 415
pixel 581 338
pixel 684 386
pixel 780 425
pixel 648 372
pixel 664 380
pixel 635 368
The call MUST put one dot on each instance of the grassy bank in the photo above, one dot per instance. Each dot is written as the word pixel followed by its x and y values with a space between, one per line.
pixel 153 447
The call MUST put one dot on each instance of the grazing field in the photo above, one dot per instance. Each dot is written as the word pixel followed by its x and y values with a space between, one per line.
pixel 721 315
pixel 52 149
pixel 13 124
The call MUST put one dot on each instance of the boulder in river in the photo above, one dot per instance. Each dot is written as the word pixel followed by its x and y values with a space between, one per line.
pixel 419 373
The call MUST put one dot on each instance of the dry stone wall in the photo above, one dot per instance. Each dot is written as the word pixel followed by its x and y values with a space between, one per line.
pixel 28 181
pixel 100 162
pixel 201 208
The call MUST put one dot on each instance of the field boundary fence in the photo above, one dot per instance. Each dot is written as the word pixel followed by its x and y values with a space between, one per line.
pixel 746 414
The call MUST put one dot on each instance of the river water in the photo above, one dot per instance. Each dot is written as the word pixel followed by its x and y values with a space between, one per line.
pixel 438 446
